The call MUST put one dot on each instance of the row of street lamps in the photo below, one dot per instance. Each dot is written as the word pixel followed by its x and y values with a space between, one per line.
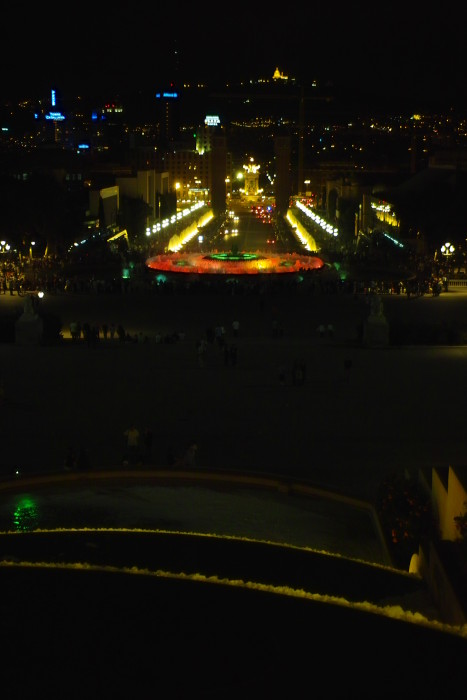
pixel 6 247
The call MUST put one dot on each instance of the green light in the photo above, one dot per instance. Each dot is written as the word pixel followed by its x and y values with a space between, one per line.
pixel 26 515
pixel 233 257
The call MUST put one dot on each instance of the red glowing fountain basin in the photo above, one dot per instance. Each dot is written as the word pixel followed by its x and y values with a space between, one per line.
pixel 233 263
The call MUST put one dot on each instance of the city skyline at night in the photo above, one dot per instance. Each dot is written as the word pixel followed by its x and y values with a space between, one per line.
pixel 408 54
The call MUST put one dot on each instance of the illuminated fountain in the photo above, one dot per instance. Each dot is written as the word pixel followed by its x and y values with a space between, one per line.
pixel 233 263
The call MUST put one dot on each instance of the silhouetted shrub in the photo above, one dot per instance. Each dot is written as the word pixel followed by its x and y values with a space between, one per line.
pixel 52 329
pixel 7 328
pixel 406 517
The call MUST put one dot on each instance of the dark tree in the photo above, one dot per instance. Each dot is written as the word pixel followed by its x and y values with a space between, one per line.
pixel 40 209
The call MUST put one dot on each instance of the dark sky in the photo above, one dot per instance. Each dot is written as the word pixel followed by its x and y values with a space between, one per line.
pixel 405 49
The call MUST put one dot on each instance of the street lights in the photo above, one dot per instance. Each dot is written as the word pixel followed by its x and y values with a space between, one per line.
pixel 447 249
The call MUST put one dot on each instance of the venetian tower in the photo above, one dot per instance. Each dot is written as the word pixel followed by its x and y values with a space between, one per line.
pixel 251 188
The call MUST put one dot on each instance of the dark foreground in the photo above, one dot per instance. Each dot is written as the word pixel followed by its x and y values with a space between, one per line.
pixel 134 620
pixel 97 614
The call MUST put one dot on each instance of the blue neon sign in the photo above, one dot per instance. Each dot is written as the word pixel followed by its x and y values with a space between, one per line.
pixel 55 116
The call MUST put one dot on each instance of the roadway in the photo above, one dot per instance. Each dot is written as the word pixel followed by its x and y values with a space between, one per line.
pixel 250 232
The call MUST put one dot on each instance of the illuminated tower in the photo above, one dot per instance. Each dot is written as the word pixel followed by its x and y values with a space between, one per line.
pixel 218 161
pixel 283 181
pixel 54 116
pixel 251 188
pixel 167 101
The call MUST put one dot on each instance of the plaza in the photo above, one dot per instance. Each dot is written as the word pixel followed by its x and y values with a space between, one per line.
pixel 400 408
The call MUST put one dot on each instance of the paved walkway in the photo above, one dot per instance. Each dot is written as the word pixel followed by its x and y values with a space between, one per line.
pixel 397 408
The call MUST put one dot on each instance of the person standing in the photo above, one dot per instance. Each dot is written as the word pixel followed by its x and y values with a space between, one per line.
pixel 235 328
pixel 82 462
pixel 132 436
pixel 121 333
pixel 347 368
pixel 201 348
pixel 233 353
pixel 94 336
pixel 296 373
pixel 188 459
pixel 282 375
pixel 148 437
pixel 70 460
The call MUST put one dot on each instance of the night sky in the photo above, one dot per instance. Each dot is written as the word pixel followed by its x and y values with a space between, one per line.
pixel 406 49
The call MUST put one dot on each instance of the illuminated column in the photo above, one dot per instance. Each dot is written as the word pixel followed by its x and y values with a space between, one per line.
pixel 251 179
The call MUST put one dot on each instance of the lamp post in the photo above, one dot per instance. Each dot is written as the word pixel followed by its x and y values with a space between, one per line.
pixel 447 250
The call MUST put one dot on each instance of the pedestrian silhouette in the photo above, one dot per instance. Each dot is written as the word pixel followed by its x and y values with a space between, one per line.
pixel 233 353
pixel 147 439
pixel 187 460
pixel 70 460
pixel 83 463
pixel 131 454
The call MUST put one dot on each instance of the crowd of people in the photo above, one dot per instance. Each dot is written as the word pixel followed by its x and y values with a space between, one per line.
pixel 56 275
